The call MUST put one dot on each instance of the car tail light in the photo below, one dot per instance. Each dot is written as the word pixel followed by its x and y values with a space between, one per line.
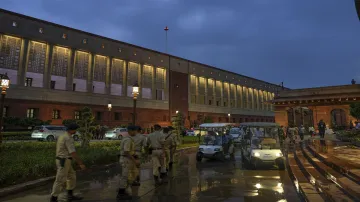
pixel 41 130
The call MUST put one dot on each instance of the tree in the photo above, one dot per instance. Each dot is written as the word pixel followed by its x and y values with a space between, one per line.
pixel 86 124
pixel 208 119
pixel 178 124
pixel 355 110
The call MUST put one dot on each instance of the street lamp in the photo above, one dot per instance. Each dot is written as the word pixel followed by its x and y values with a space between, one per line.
pixel 135 93
pixel 4 84
pixel 229 118
pixel 177 112
pixel 109 107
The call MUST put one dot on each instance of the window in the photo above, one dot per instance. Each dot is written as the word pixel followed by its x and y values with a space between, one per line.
pixel 77 115
pixel 93 88
pixel 217 103
pixel 210 102
pixel 5 111
pixel 28 82
pixel 55 114
pixel 159 94
pixel 31 112
pixel 52 85
pixel 98 116
pixel 74 86
pixel 117 116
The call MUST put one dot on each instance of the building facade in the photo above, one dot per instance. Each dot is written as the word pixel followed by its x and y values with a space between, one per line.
pixel 310 105
pixel 56 70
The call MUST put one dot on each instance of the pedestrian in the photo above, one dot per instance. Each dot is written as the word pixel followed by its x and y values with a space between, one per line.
pixel 156 141
pixel 140 143
pixel 129 163
pixel 322 128
pixel 65 152
pixel 173 148
pixel 302 132
pixel 169 142
pixel 312 131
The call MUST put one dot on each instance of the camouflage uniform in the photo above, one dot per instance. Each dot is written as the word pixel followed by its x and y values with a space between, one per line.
pixel 140 142
pixel 129 170
pixel 156 142
pixel 65 172
pixel 169 143
pixel 176 143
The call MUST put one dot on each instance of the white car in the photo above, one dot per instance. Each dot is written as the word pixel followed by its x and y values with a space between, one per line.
pixel 190 133
pixel 116 134
pixel 50 133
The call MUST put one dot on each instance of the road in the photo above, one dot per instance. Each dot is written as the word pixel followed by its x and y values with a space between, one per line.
pixel 191 181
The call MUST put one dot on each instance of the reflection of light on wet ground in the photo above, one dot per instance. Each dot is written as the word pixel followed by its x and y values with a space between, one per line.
pixel 267 177
pixel 258 185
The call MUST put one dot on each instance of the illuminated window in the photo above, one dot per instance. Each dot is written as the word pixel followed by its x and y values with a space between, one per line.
pixel 28 82
pixel 55 114
pixel 31 112
pixel 77 115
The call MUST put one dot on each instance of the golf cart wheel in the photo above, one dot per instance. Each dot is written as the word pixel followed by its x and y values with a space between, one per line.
pixel 50 138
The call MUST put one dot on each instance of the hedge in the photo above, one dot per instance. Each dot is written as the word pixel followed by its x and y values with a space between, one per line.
pixel 17 135
pixel 25 161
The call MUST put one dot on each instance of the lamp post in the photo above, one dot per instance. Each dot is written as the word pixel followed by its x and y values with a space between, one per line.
pixel 135 93
pixel 4 84
pixel 109 117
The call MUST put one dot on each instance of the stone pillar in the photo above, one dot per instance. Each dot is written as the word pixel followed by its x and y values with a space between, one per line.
pixel 90 77
pixel 125 81
pixel 153 86
pixel 48 64
pixel 108 76
pixel 70 71
pixel 23 62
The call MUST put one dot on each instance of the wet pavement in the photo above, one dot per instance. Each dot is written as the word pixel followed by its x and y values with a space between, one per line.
pixel 190 181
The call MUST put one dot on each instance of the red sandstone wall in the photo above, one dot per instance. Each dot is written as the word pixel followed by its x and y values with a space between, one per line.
pixel 179 93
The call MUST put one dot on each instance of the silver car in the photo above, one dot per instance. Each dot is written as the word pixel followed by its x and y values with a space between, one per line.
pixel 50 133
pixel 116 133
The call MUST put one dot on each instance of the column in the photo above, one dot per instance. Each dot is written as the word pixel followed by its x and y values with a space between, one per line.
pixel 48 64
pixel 91 73
pixel 222 94
pixel 235 96
pixel 23 61
pixel 206 101
pixel 140 74
pixel 167 83
pixel 153 86
pixel 125 78
pixel 229 97
pixel 108 76
pixel 70 71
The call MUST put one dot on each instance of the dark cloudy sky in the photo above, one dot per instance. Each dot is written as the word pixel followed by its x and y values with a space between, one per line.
pixel 304 43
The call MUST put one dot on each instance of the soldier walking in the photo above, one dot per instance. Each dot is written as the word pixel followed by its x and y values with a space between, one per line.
pixel 169 142
pixel 156 141
pixel 173 148
pixel 129 163
pixel 65 152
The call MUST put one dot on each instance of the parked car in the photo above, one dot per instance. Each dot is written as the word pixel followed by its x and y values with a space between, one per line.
pixel 190 133
pixel 50 133
pixel 116 133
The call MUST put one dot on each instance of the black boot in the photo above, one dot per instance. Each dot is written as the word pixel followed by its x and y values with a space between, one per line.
pixel 164 178
pixel 122 195
pixel 157 181
pixel 54 199
pixel 71 196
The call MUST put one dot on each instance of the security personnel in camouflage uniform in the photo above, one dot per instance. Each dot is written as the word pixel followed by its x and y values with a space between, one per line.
pixel 156 142
pixel 65 152
pixel 140 143
pixel 169 142
pixel 174 137
pixel 129 162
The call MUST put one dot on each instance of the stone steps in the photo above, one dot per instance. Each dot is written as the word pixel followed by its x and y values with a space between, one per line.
pixel 348 169
pixel 345 183
pixel 330 190
pixel 307 190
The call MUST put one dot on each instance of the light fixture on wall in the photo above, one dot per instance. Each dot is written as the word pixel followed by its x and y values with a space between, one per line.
pixel 102 46
pixel 84 41
pixel 64 36
pixel 14 24
pixel 177 112
pixel 119 50
pixel 41 30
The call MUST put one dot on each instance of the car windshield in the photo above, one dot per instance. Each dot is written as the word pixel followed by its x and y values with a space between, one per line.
pixel 212 140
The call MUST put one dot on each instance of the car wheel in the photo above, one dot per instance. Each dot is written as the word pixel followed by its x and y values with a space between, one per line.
pixel 76 138
pixel 50 138
pixel 120 137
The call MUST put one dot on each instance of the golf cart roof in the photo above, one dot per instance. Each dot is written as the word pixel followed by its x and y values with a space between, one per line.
pixel 259 124
pixel 216 125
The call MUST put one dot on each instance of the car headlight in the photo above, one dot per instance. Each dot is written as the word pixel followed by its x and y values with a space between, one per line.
pixel 257 154
pixel 279 154
pixel 217 149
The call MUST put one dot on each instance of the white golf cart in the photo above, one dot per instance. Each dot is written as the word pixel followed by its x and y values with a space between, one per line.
pixel 261 145
pixel 212 145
